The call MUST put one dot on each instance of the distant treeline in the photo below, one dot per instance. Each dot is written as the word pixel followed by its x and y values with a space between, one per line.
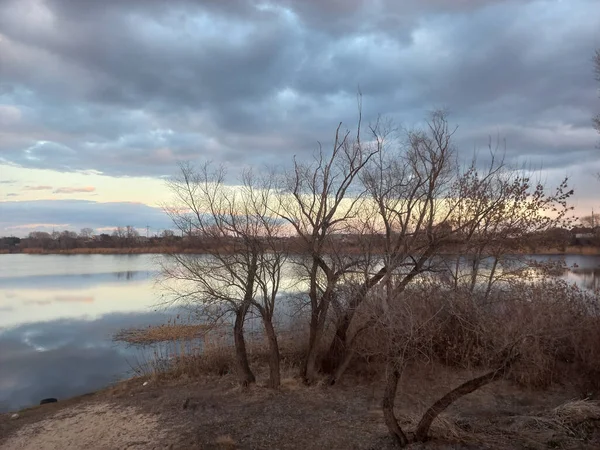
pixel 129 238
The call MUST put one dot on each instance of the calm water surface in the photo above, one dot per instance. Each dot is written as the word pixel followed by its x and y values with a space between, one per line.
pixel 58 313
pixel 57 316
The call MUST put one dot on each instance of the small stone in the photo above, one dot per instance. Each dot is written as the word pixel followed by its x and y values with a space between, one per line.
pixel 145 383
pixel 14 416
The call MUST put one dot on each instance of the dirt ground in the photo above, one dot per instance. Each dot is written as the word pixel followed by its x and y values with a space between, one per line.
pixel 215 414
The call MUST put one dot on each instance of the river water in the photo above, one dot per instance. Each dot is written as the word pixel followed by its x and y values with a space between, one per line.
pixel 58 314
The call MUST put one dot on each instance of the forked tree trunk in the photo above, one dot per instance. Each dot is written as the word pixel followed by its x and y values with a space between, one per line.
pixel 274 370
pixel 340 347
pixel 467 387
pixel 389 400
pixel 245 373
pixel 338 351
pixel 310 366
pixel 317 326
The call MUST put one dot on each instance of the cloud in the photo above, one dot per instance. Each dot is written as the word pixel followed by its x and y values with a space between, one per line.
pixel 74 282
pixel 74 298
pixel 37 188
pixel 64 358
pixel 74 190
pixel 59 299
pixel 131 88
pixel 8 181
pixel 36 226
pixel 22 217
pixel 12 194
pixel 38 302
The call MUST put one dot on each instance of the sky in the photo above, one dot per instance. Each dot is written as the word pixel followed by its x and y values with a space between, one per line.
pixel 100 100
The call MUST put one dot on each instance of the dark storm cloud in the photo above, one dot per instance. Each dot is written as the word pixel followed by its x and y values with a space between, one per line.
pixel 77 214
pixel 132 87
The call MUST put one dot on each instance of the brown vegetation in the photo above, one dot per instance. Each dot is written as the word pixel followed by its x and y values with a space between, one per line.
pixel 407 262
pixel 550 333
pixel 212 413
pixel 373 224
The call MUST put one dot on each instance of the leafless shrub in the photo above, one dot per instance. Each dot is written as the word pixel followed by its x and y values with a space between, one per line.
pixel 319 200
pixel 408 259
pixel 534 333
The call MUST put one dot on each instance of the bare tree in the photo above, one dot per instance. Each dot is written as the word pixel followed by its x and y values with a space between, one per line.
pixel 119 234
pixel 522 215
pixel 131 233
pixel 241 265
pixel 591 221
pixel 428 206
pixel 86 233
pixel 529 327
pixel 167 234
pixel 319 200
pixel 409 185
pixel 67 240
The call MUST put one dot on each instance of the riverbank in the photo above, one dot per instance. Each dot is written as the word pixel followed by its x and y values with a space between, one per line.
pixel 570 250
pixel 95 251
pixel 214 413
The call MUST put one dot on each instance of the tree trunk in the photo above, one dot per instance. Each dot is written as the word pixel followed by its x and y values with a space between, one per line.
pixel 491 279
pixel 246 376
pixel 342 367
pixel 310 365
pixel 339 348
pixel 389 399
pixel 466 388
pixel 312 337
pixel 307 370
pixel 317 326
pixel 475 271
pixel 274 371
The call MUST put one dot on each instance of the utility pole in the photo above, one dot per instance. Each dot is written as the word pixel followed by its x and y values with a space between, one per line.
pixel 147 230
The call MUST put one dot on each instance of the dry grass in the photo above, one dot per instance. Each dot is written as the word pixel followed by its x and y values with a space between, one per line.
pixel 164 333
pixel 190 350
pixel 225 441
pixel 572 425
pixel 556 327
pixel 212 413
pixel 577 411
pixel 552 326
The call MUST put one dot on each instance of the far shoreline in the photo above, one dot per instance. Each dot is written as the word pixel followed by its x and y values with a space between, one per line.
pixel 570 250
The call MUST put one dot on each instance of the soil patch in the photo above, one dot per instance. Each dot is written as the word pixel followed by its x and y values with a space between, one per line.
pixel 216 414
